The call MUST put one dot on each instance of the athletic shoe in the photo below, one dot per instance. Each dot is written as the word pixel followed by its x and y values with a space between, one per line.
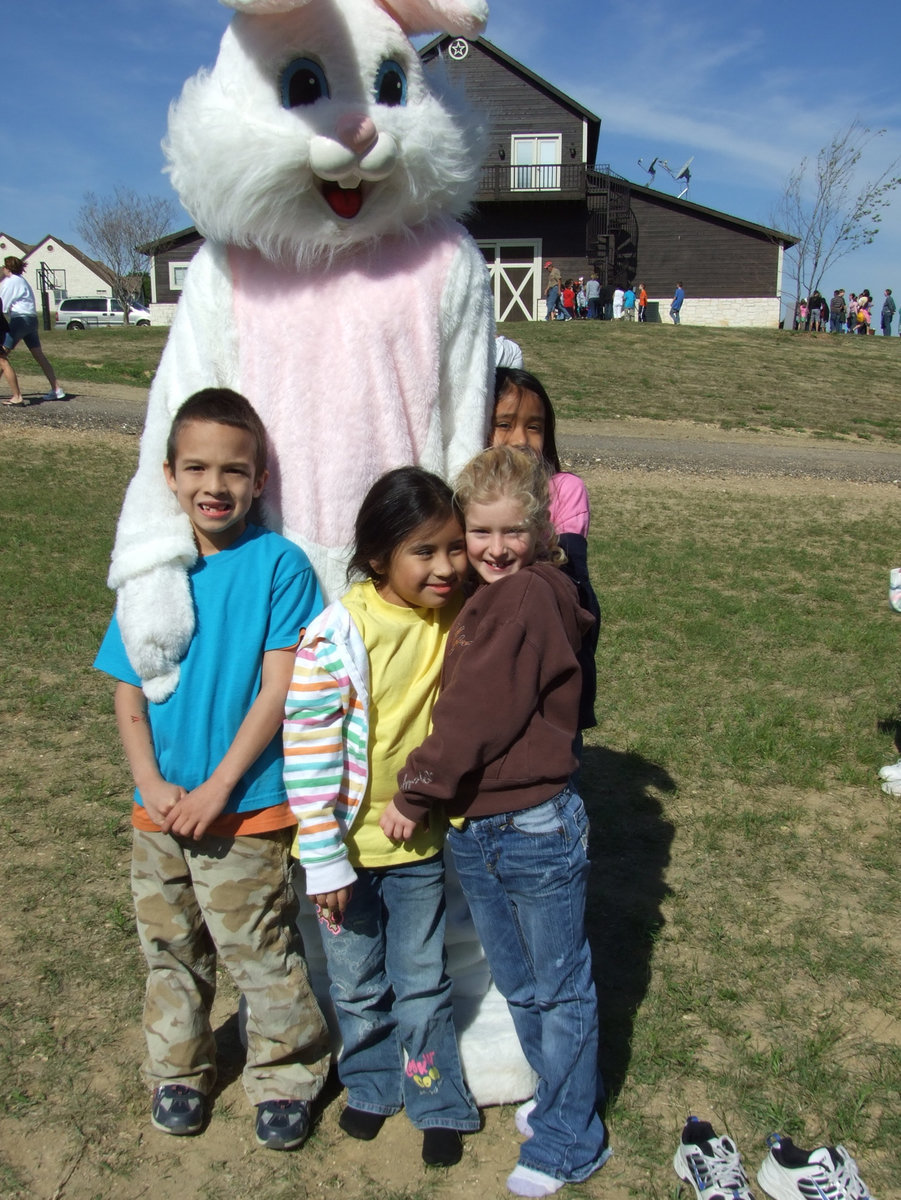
pixel 892 771
pixel 58 394
pixel 827 1173
pixel 178 1109
pixel 711 1164
pixel 892 787
pixel 282 1124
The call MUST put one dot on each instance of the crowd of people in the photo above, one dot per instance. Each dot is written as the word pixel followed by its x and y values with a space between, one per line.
pixel 579 299
pixel 851 313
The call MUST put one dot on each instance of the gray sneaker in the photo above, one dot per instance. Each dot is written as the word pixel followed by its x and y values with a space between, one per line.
pixel 178 1109
pixel 282 1124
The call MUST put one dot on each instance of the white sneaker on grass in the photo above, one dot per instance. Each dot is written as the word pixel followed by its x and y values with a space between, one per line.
pixel 711 1164
pixel 827 1173
pixel 892 787
pixel 892 771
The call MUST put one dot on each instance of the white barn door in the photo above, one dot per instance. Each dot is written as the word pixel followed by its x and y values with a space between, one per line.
pixel 515 271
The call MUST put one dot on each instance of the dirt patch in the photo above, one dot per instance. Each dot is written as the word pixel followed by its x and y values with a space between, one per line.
pixel 75 1116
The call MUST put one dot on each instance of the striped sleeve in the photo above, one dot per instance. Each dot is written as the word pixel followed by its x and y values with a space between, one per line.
pixel 325 763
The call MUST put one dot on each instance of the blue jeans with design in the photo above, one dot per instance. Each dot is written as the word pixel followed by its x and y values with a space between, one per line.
pixel 391 993
pixel 525 875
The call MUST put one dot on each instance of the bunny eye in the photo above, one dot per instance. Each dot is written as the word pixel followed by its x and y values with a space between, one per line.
pixel 391 84
pixel 303 83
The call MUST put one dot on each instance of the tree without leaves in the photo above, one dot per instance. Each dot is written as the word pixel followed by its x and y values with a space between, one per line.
pixel 820 205
pixel 115 226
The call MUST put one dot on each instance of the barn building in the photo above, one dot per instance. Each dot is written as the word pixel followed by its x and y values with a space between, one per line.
pixel 542 196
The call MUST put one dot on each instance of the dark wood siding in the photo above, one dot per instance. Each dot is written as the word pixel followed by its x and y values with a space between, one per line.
pixel 711 256
pixel 512 104
pixel 560 228
pixel 179 250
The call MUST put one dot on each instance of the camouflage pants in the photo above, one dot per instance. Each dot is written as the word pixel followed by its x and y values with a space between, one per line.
pixel 231 897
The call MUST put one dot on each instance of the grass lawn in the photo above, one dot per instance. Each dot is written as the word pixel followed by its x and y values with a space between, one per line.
pixel 745 895
pixel 837 386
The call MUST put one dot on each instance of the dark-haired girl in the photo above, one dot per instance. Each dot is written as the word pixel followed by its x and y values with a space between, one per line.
pixel 524 418
pixel 365 679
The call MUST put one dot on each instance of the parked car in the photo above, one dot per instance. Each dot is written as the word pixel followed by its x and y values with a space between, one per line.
pixel 83 312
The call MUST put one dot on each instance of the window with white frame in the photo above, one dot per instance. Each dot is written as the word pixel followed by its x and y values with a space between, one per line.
pixel 177 271
pixel 536 161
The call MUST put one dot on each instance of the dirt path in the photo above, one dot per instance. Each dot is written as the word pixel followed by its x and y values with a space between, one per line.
pixel 62 1153
pixel 630 444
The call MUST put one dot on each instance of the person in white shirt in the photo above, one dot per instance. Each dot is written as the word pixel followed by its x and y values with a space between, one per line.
pixel 21 312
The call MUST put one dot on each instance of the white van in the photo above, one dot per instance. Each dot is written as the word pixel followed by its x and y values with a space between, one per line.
pixel 83 312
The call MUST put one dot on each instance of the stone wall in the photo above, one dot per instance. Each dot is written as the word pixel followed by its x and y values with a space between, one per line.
pixel 740 312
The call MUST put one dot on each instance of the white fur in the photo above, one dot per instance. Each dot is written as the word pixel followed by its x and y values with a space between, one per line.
pixel 246 168
pixel 466 17
pixel 253 175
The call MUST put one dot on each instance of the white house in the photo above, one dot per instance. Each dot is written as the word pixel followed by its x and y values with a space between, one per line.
pixel 68 270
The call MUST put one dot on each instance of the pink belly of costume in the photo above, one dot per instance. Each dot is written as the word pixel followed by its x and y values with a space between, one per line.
pixel 343 367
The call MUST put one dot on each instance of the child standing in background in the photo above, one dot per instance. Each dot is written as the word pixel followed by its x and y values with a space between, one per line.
pixel 500 760
pixel 524 418
pixel 365 679
pixel 211 856
pixel 569 298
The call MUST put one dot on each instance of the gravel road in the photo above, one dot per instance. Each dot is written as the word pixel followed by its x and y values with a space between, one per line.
pixel 629 444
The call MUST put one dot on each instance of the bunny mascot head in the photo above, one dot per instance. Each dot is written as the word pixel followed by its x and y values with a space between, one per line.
pixel 315 134
pixel 334 290
pixel 337 292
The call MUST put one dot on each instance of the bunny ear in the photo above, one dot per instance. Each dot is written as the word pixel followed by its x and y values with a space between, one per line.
pixel 463 17
pixel 264 6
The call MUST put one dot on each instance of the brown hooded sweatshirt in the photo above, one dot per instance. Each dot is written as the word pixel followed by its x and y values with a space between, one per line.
pixel 504 722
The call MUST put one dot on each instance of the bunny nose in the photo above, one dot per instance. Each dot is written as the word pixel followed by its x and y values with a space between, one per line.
pixel 357 132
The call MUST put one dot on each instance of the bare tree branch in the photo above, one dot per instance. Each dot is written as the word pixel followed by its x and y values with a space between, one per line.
pixel 820 205
pixel 114 226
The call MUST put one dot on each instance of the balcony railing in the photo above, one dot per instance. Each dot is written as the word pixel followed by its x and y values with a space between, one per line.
pixel 501 181
pixel 572 180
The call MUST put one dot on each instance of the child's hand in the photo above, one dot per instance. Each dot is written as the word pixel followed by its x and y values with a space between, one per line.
pixel 160 800
pixel 395 825
pixel 331 907
pixel 197 810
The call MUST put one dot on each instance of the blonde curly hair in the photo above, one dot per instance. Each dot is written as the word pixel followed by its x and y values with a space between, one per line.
pixel 505 471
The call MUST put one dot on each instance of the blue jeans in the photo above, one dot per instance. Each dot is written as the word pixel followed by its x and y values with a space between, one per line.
pixel 674 313
pixel 391 993
pixel 525 876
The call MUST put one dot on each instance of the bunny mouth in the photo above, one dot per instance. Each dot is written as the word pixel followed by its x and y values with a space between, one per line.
pixel 344 202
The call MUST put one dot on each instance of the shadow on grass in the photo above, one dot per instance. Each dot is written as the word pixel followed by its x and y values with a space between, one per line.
pixel 630 851
pixel 892 725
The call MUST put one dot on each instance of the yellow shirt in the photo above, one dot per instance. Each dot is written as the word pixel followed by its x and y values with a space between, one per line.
pixel 406 653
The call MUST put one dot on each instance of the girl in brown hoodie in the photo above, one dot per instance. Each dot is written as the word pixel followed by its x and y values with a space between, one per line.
pixel 499 760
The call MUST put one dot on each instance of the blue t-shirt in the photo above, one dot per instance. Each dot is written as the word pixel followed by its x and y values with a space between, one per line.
pixel 254 596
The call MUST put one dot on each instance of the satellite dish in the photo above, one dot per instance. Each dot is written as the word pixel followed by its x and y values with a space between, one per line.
pixel 651 170
pixel 685 174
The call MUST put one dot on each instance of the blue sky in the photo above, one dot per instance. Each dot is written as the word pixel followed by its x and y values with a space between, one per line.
pixel 747 93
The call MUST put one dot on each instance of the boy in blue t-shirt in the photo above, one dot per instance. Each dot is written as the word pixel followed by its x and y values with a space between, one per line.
pixel 212 827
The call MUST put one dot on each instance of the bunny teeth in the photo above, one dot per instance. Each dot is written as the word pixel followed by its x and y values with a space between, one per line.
pixel 332 160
